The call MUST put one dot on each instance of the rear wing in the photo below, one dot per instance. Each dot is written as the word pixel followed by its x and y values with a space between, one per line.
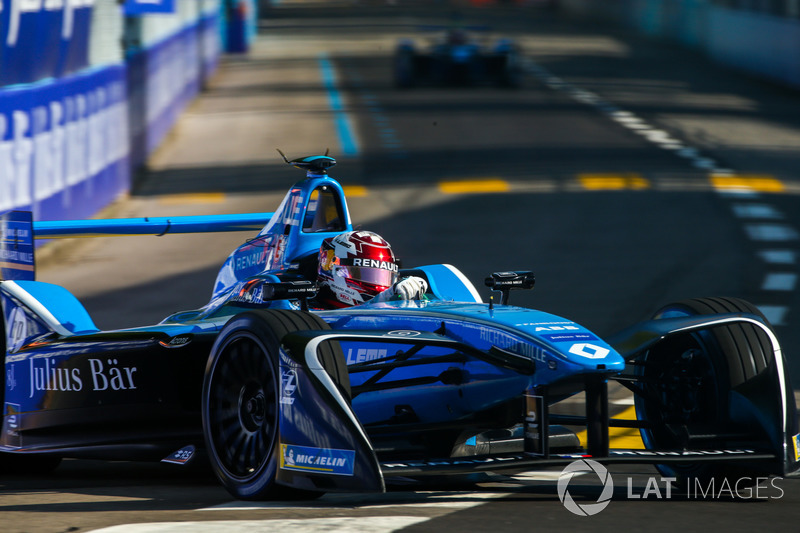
pixel 16 246
pixel 18 231
pixel 54 229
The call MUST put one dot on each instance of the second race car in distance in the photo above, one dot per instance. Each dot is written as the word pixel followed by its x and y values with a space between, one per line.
pixel 457 58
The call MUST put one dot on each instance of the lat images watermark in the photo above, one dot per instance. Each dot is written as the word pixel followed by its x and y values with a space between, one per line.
pixel 658 487
pixel 585 466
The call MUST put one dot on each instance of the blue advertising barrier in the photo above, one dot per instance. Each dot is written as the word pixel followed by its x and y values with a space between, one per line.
pixel 68 145
pixel 210 43
pixel 142 7
pixel 43 39
pixel 64 144
pixel 172 70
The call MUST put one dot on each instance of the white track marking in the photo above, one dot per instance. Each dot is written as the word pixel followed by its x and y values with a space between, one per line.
pixel 625 118
pixel 439 503
pixel 763 232
pixel 546 475
pixel 779 257
pixel 622 401
pixel 739 193
pixel 419 499
pixel 771 232
pixel 779 281
pixel 775 313
pixel 362 524
pixel 763 211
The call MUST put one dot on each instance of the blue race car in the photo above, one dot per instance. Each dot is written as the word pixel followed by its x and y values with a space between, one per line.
pixel 457 59
pixel 289 402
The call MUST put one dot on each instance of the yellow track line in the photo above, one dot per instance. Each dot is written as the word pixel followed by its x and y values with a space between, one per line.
pixel 474 186
pixel 192 198
pixel 626 438
pixel 354 191
pixel 613 182
pixel 626 181
pixel 747 183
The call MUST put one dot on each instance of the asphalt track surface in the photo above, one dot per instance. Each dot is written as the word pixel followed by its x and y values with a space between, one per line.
pixel 574 176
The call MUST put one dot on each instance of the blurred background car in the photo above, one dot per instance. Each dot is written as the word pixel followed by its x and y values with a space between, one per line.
pixel 457 57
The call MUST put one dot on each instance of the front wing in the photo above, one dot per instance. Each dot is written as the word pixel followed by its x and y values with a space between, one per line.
pixel 319 426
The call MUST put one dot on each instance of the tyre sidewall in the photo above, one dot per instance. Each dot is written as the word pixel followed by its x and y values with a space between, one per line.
pixel 721 351
pixel 245 326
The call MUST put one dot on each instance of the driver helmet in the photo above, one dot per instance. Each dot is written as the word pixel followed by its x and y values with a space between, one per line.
pixel 354 267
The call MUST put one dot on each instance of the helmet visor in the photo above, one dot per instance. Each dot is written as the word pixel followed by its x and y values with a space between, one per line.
pixel 374 276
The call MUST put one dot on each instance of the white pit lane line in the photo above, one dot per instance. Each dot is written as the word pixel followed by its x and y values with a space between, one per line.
pixel 361 524
pixel 444 502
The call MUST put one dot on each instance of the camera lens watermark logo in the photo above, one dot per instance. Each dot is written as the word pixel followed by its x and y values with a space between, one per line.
pixel 585 466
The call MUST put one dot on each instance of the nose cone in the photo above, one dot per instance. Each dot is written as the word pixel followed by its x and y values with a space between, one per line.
pixel 594 355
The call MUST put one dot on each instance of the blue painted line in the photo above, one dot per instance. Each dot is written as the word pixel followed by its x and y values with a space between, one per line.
pixel 344 128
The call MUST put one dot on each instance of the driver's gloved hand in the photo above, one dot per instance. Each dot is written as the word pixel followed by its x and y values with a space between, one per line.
pixel 410 288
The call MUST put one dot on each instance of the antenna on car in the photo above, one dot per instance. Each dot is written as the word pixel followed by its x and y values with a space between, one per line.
pixel 314 165
pixel 282 155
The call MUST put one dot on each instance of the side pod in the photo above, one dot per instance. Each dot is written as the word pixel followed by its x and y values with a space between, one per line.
pixel 768 398
pixel 323 446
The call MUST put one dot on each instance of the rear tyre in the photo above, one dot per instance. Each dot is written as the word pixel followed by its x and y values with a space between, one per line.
pixel 688 380
pixel 241 390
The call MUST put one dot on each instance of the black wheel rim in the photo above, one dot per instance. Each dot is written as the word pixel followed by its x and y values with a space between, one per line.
pixel 242 410
pixel 680 392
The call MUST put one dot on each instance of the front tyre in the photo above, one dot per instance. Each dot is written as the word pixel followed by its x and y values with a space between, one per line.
pixel 240 407
pixel 240 399
pixel 689 382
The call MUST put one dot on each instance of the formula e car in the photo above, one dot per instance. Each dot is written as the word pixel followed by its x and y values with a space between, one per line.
pixel 457 59
pixel 284 401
